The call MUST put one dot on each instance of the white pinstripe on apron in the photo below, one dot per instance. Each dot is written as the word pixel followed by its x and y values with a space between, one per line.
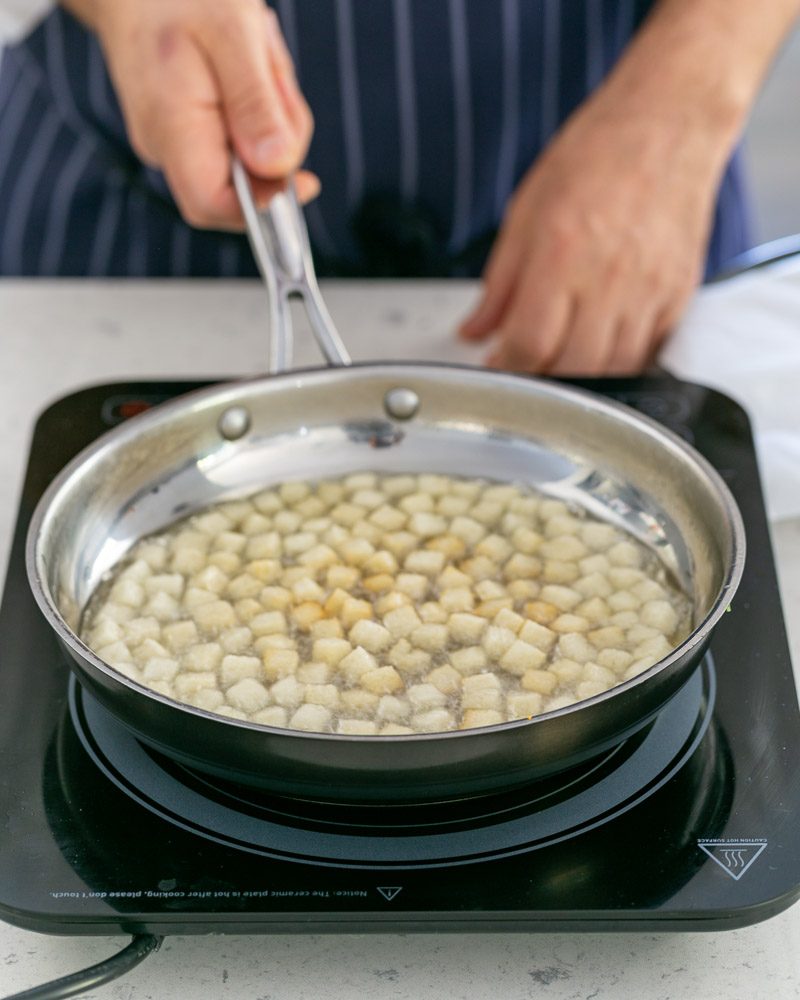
pixel 427 113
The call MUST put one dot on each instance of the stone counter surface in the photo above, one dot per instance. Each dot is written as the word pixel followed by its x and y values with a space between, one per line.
pixel 56 337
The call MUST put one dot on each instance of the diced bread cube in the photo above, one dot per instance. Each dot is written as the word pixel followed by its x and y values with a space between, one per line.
pixel 469 660
pixel 446 678
pixel 247 695
pixel 524 704
pixel 235 668
pixel 356 727
pixel 541 681
pixel 330 651
pixel 288 691
pixel 496 641
pixel 312 718
pixel 521 656
pixel 235 640
pixel 355 664
pixel 272 715
pixel 278 663
pixel 402 621
pixel 204 657
pixel 473 718
pixel 358 701
pixel 576 646
pixel 160 668
pixel 424 697
pixel 435 720
pixel 570 623
pixel 425 562
pixel 268 623
pixel 372 636
pixel 322 694
pixel 466 628
pixel 384 680
pixel 214 616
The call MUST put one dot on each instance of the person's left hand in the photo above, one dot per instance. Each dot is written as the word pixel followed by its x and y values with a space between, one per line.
pixel 602 243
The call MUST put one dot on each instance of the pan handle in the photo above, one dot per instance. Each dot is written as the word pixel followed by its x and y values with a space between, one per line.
pixel 279 241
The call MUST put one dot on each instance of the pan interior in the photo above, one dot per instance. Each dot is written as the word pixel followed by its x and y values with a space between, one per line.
pixel 161 467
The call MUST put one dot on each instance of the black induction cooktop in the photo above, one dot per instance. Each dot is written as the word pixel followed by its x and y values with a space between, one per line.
pixel 689 825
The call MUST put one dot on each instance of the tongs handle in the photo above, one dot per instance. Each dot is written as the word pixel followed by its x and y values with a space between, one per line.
pixel 279 240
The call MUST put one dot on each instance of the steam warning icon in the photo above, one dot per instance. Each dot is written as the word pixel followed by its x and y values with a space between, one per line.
pixel 733 856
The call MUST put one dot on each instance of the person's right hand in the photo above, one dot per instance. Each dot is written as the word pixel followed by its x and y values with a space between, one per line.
pixel 197 78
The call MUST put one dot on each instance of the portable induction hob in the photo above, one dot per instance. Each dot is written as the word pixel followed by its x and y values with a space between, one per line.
pixel 689 825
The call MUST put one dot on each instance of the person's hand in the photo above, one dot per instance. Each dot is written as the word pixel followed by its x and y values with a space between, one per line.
pixel 602 244
pixel 197 78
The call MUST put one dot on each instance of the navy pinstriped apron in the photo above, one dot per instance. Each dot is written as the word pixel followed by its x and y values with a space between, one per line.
pixel 428 112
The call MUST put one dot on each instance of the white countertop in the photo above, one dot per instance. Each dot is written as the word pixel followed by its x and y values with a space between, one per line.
pixel 58 336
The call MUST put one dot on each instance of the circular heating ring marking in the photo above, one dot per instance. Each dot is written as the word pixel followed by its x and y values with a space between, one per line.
pixel 125 762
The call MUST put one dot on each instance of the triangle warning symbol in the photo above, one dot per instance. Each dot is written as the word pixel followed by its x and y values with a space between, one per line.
pixel 733 856
pixel 389 891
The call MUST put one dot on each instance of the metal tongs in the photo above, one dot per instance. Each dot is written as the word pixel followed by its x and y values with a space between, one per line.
pixel 279 240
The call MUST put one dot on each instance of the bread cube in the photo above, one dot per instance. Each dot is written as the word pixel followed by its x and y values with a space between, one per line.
pixel 446 678
pixel 487 512
pixel 496 641
pixel 204 657
pixel 322 694
pixel 160 668
pixel 248 695
pixel 268 623
pixel 466 628
pixel 314 673
pixel 161 606
pixel 570 623
pixel 311 719
pixel 372 636
pixel 356 727
pixel 383 680
pixel 235 640
pixel 474 718
pixel 565 670
pixel 575 646
pixel 430 637
pixel 357 701
pixel 214 616
pixel 288 692
pixel 522 567
pixel 209 699
pixel 564 598
pixel 593 585
pixel 424 697
pixel 355 664
pixel 457 599
pixel 542 681
pixel 470 530
pixel 392 709
pixel 135 631
pixel 435 720
pixel 236 668
pixel 659 614
pixel 273 715
pixel 524 704
pixel 393 729
pixel 402 621
pixel 330 651
pixel 179 636
pixel 469 660
pixel 482 691
pixel 266 545
pixel 409 661
pixel 424 561
pixel 521 656
pixel 130 592
pixel 279 663
pixel 286 522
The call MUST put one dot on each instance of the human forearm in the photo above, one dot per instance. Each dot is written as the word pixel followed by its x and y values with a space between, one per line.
pixel 697 65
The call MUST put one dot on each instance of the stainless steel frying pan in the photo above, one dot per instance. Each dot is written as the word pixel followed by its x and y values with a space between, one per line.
pixel 233 439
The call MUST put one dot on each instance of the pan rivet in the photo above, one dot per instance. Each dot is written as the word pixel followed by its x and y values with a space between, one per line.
pixel 401 403
pixel 234 423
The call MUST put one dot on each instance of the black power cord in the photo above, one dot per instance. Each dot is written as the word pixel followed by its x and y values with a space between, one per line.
pixel 140 947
